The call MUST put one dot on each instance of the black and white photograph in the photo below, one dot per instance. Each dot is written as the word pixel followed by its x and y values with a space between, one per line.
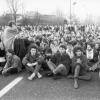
pixel 49 50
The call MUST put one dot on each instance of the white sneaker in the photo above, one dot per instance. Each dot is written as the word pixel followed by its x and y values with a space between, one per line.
pixel 31 77
pixel 39 75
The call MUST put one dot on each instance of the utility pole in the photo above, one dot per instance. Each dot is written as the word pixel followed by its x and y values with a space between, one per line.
pixel 70 11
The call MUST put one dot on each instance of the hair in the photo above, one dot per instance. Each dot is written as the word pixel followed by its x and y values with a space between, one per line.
pixel 63 46
pixel 37 42
pixel 76 49
pixel 32 46
pixel 11 51
pixel 10 23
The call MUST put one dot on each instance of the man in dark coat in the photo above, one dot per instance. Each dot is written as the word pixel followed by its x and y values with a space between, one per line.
pixel 60 62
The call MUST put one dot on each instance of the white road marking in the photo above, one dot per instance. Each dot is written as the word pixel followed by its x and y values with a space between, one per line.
pixel 10 86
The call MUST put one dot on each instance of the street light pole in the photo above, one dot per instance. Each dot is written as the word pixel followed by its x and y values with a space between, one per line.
pixel 70 11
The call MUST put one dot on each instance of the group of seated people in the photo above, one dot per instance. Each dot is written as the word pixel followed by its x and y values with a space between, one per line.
pixel 72 60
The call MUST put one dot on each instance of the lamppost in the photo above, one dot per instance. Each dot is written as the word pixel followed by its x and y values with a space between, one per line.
pixel 70 11
pixel 72 4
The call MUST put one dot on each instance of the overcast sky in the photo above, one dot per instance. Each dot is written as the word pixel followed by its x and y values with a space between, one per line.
pixel 82 8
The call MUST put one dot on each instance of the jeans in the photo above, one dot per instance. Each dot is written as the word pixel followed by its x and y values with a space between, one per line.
pixel 60 69
pixel 79 75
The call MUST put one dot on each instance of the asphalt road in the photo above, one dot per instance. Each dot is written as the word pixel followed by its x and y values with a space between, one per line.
pixel 49 89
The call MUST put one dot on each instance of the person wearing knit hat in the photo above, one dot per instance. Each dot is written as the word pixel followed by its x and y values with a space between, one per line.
pixel 79 66
pixel 32 61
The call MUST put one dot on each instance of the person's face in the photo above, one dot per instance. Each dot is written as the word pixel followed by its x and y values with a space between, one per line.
pixel 89 47
pixel 43 44
pixel 48 54
pixel 69 47
pixel 96 46
pixel 62 40
pixel 33 51
pixel 78 38
pixel 55 42
pixel 62 50
pixel 79 53
pixel 13 25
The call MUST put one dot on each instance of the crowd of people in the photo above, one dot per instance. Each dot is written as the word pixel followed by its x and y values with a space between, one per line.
pixel 71 51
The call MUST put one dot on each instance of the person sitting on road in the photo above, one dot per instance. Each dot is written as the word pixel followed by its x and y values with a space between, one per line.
pixel 60 62
pixel 79 66
pixel 13 64
pixel 32 62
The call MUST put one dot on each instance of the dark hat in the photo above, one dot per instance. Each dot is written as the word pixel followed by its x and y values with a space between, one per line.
pixel 63 46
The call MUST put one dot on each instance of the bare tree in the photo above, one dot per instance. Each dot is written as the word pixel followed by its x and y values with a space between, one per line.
pixel 14 6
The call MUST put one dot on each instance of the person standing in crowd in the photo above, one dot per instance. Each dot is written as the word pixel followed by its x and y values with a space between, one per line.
pixel 90 55
pixel 69 50
pixel 80 66
pixel 60 62
pixel 9 35
pixel 54 46
pixel 13 64
pixel 19 47
pixel 32 62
